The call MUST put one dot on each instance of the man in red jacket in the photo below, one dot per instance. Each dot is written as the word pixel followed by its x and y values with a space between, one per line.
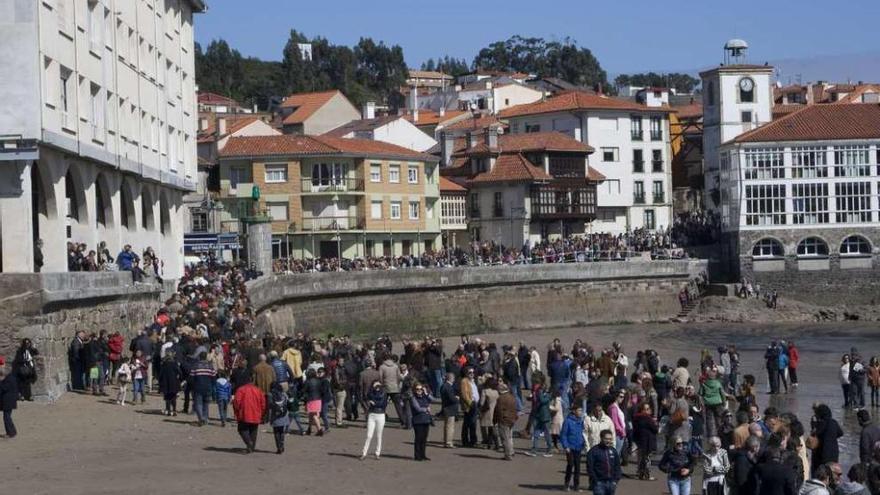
pixel 249 404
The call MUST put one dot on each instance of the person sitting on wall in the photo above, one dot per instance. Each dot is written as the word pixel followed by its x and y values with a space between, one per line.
pixel 128 261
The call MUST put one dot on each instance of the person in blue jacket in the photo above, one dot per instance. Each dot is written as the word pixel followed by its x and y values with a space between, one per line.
pixel 572 438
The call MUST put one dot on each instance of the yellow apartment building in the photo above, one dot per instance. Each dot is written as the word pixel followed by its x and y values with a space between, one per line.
pixel 330 196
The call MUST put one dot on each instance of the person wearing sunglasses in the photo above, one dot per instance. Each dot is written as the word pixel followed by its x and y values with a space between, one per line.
pixel 420 405
pixel 676 463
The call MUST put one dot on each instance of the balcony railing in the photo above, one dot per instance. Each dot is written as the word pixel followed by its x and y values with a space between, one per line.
pixel 638 166
pixel 657 165
pixel 332 223
pixel 656 135
pixel 332 185
pixel 637 135
pixel 639 198
pixel 659 198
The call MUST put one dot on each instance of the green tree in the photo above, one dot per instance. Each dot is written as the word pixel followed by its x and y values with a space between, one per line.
pixel 682 83
pixel 219 69
pixel 563 59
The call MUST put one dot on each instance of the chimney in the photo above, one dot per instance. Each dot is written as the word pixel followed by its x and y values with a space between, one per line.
pixel 491 137
pixel 488 84
pixel 256 110
pixel 473 139
pixel 442 111
pixel 221 126
pixel 415 115
pixel 599 90
pixel 447 147
pixel 369 110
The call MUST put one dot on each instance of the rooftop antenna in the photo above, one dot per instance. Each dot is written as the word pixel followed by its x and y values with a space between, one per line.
pixel 735 51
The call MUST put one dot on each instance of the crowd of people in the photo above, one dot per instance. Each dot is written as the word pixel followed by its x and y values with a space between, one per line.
pixel 81 259
pixel 697 228
pixel 599 408
pixel 571 249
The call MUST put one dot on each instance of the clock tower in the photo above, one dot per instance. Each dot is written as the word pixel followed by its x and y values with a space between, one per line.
pixel 737 97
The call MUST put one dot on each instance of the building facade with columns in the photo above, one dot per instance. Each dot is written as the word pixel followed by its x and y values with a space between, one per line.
pixel 97 127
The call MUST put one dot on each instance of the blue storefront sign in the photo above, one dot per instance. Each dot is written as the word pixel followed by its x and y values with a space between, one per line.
pixel 197 243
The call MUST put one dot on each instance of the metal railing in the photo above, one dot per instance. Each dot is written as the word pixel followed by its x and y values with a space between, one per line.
pixel 638 166
pixel 659 198
pixel 639 198
pixel 332 185
pixel 656 135
pixel 332 223
pixel 656 165
pixel 637 135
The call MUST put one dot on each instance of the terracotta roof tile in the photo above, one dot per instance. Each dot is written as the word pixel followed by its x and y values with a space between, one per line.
pixel 820 122
pixel 691 111
pixel 855 96
pixel 471 123
pixel 306 104
pixel 430 117
pixel 533 141
pixel 234 123
pixel 292 145
pixel 577 100
pixel 595 175
pixel 215 99
pixel 361 125
pixel 512 167
pixel 781 110
pixel 428 74
pixel 450 186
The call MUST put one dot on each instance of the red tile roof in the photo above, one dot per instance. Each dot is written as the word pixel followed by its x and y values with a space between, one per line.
pixel 577 100
pixel 595 175
pixel 512 167
pixel 293 145
pixel 306 104
pixel 820 123
pixel 533 141
pixel 215 99
pixel 447 185
pixel 430 117
pixel 781 110
pixel 428 74
pixel 234 123
pixel 855 96
pixel 690 111
pixel 482 122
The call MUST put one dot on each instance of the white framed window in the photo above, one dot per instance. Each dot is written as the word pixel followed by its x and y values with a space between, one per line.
pixel 376 172
pixel 395 210
pixel 808 162
pixel 276 173
pixel 199 221
pixel 767 248
pixel 656 124
pixel 610 154
pixel 812 247
pixel 852 161
pixel 414 208
pixel 809 203
pixel 394 174
pixel 765 163
pixel 765 204
pixel 376 210
pixel 855 245
pixel 277 211
pixel 853 201
pixel 412 174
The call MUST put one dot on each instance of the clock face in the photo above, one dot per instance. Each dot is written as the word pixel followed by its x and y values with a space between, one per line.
pixel 746 84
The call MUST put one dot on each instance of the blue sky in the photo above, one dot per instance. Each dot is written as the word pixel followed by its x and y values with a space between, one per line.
pixel 626 36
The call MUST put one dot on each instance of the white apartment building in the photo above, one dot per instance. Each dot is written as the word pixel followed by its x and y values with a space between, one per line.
pixel 802 193
pixel 97 127
pixel 633 152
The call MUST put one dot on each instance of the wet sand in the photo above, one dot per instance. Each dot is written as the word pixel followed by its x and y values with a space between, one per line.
pixel 83 444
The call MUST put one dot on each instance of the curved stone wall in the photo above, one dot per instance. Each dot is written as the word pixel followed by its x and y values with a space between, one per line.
pixel 416 302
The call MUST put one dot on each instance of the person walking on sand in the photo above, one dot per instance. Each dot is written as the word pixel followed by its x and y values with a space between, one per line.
pixel 8 398
pixel 420 405
pixel 794 358
pixel 278 416
pixel 448 409
pixel 571 436
pixel 248 405
pixel 377 401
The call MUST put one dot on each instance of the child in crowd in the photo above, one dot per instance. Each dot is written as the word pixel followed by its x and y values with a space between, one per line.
pixel 222 393
pixel 95 378
pixel 123 378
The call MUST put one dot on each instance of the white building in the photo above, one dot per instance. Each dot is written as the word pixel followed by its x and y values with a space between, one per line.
pixel 98 125
pixel 802 193
pixel 489 94
pixel 632 152
pixel 737 97
pixel 394 129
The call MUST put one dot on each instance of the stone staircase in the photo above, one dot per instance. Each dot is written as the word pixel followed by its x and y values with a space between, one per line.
pixel 686 310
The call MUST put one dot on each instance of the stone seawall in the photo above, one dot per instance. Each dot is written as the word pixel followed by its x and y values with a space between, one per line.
pixel 472 299
pixel 50 308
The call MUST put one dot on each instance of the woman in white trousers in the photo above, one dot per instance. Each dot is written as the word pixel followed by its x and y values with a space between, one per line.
pixel 377 400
